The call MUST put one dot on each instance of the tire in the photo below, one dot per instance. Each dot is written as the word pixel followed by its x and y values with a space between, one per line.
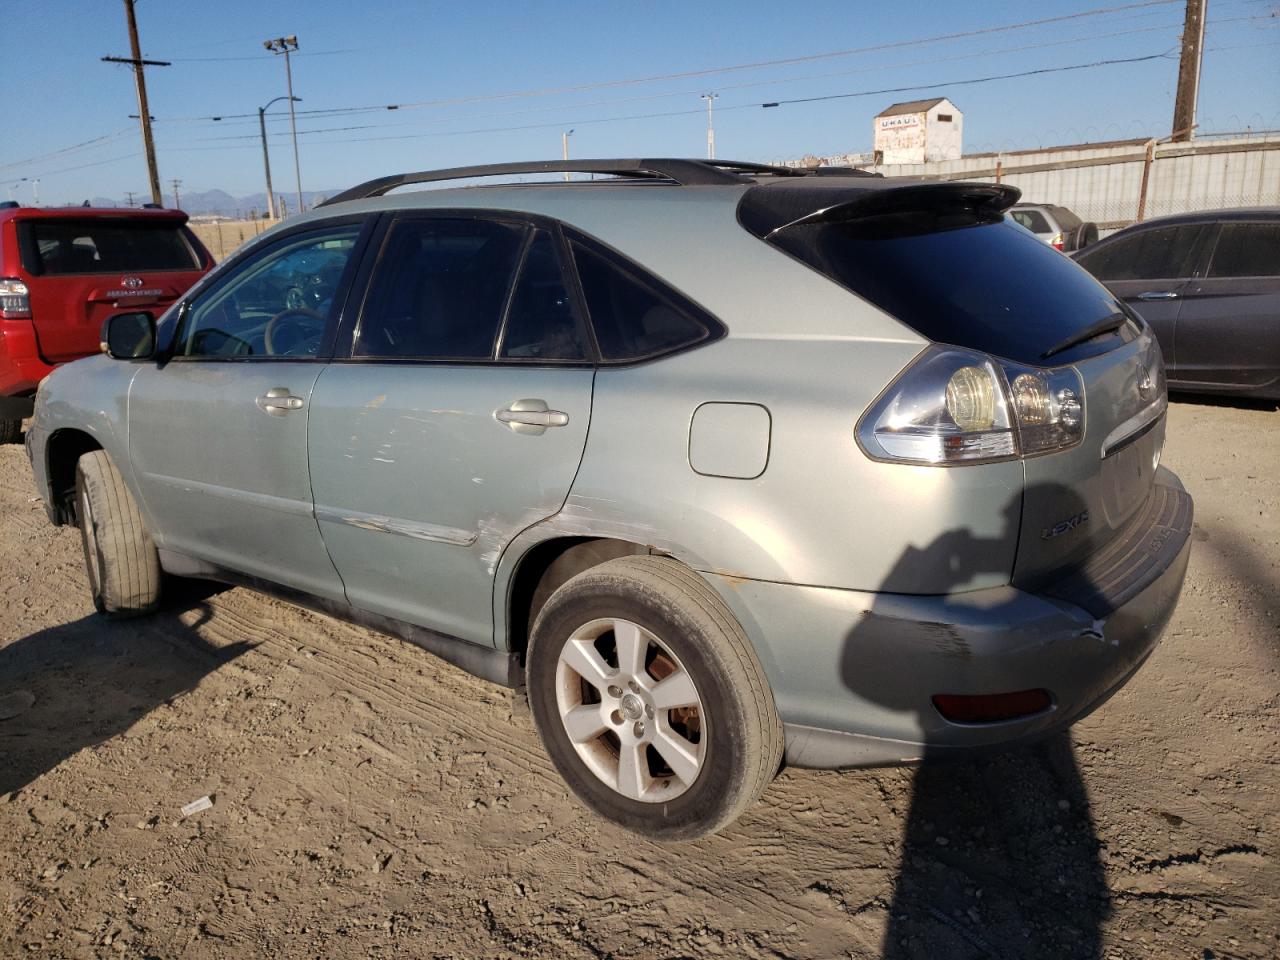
pixel 120 559
pixel 724 749
pixel 1083 236
pixel 10 431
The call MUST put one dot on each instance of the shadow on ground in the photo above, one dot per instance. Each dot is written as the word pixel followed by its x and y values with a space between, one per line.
pixel 79 684
pixel 1000 858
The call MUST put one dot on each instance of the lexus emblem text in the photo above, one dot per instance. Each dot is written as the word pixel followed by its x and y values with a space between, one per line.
pixel 1066 526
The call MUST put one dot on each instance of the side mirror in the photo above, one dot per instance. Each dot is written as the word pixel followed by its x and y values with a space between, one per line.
pixel 129 336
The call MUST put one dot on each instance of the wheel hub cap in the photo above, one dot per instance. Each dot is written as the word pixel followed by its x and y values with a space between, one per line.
pixel 631 710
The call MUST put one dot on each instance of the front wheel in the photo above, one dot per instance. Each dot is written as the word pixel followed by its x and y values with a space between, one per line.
pixel 119 556
pixel 650 699
pixel 10 431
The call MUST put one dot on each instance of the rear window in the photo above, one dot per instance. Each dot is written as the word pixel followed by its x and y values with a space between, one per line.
pixel 963 277
pixel 1033 220
pixel 56 247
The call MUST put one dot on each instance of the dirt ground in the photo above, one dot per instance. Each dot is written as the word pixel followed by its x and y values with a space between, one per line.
pixel 369 800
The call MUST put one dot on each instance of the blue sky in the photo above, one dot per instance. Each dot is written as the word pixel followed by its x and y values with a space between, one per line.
pixel 488 66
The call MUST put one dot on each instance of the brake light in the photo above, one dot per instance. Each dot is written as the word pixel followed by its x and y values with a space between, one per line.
pixel 992 707
pixel 1057 242
pixel 15 299
pixel 960 406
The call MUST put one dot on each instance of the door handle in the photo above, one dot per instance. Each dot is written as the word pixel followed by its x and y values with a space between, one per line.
pixel 1158 295
pixel 278 401
pixel 531 416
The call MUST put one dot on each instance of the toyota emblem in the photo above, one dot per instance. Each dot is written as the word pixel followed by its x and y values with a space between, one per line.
pixel 133 283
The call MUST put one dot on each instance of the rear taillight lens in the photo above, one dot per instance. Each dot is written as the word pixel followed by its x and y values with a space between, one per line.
pixel 955 406
pixel 1058 241
pixel 15 299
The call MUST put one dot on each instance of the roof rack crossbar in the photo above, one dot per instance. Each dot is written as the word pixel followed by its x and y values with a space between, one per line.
pixel 683 172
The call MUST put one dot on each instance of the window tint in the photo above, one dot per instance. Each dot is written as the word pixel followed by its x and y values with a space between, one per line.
pixel 1033 220
pixel 963 277
pixel 540 323
pixel 108 246
pixel 439 289
pixel 1160 254
pixel 1247 250
pixel 631 320
pixel 274 305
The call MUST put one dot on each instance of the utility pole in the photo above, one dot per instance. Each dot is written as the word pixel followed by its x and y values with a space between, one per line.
pixel 711 130
pixel 177 201
pixel 564 147
pixel 128 198
pixel 1184 105
pixel 144 114
pixel 287 45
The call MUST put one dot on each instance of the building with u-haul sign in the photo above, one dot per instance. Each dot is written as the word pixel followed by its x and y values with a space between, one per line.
pixel 919 131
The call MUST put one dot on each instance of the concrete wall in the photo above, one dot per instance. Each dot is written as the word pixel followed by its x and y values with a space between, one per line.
pixel 1103 182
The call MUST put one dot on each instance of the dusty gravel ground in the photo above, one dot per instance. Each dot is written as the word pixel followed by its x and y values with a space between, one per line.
pixel 369 800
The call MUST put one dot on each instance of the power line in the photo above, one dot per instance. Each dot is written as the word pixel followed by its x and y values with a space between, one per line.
pixel 938 85
pixel 710 71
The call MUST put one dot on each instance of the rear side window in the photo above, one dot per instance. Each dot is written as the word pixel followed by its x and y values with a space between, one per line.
pixel 1164 253
pixel 1247 250
pixel 58 247
pixel 960 276
pixel 439 289
pixel 632 319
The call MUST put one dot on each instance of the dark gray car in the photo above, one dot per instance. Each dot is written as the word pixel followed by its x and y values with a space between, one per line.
pixel 1208 283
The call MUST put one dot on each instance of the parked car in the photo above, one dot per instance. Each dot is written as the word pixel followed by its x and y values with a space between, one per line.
pixel 726 465
pixel 1208 283
pixel 1055 225
pixel 63 271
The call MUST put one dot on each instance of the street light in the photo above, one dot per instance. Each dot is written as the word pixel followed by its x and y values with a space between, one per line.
pixel 266 161
pixel 564 145
pixel 711 130
pixel 287 45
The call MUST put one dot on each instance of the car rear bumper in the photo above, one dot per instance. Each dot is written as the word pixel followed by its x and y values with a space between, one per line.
pixel 853 674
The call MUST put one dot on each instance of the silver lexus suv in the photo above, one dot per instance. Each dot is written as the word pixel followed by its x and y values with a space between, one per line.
pixel 727 466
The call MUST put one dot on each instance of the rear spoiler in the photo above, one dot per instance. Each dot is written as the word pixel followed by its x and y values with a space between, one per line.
pixel 768 210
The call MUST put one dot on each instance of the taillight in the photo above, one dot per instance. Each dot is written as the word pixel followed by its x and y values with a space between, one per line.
pixel 955 406
pixel 1058 242
pixel 15 299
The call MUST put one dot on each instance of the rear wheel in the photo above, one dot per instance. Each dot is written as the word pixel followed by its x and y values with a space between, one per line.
pixel 10 431
pixel 120 559
pixel 650 700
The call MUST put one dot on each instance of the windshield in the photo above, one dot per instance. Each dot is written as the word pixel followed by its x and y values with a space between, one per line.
pixel 964 277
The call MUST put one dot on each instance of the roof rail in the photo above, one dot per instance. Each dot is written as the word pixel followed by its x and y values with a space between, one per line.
pixel 688 173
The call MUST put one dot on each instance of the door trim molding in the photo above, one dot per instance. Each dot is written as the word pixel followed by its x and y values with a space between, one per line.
pixel 414 529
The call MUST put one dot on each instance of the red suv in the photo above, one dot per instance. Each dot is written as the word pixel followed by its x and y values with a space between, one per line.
pixel 64 271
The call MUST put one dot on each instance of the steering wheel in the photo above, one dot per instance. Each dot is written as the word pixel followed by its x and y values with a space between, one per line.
pixel 298 326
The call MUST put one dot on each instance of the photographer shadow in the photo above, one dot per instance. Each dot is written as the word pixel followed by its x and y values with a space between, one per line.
pixel 999 855
pixel 77 685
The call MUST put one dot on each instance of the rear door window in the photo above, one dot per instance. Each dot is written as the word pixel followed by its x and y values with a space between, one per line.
pixel 541 321
pixel 1162 253
pixel 634 319
pixel 1247 250
pixel 58 247
pixel 439 289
